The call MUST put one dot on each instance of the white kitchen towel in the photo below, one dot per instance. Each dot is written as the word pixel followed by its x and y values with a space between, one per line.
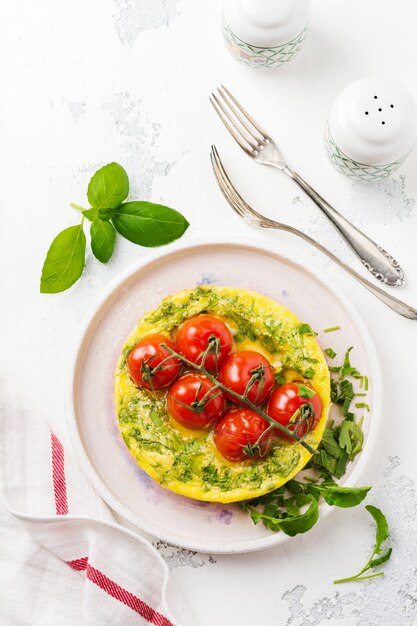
pixel 124 579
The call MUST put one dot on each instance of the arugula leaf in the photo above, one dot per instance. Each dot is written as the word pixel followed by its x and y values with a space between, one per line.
pixel 380 537
pixel 64 261
pixel 340 496
pixel 381 527
pixel 330 444
pixel 103 238
pixel 149 224
pixel 108 187
pixel 351 438
pixel 293 525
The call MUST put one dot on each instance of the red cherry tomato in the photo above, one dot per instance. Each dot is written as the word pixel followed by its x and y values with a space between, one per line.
pixel 237 431
pixel 145 358
pixel 193 337
pixel 285 401
pixel 194 391
pixel 238 370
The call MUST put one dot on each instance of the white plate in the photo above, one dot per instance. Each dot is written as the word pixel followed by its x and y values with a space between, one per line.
pixel 201 526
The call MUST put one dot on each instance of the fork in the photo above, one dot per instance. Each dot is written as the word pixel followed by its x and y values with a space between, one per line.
pixel 259 145
pixel 253 218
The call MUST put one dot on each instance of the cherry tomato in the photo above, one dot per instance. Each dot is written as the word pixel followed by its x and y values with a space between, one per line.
pixel 285 401
pixel 194 391
pixel 193 338
pixel 237 431
pixel 145 358
pixel 243 366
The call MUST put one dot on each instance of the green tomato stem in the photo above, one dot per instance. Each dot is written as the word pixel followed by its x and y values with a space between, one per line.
pixel 242 399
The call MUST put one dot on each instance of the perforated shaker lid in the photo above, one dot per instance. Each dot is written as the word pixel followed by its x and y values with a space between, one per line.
pixel 373 121
pixel 266 23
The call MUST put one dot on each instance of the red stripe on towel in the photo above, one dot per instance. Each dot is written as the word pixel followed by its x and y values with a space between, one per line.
pixel 58 476
pixel 93 574
pixel 119 593
pixel 79 564
pixel 130 600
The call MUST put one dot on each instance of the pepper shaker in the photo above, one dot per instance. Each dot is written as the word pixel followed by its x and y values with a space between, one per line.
pixel 371 129
pixel 265 33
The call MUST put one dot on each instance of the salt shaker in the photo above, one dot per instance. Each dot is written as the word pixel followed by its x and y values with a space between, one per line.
pixel 371 129
pixel 265 33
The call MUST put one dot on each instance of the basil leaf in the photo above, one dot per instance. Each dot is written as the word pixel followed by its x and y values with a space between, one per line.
pixel 343 497
pixel 104 214
pixel 64 261
pixel 381 526
pixel 103 238
pixel 108 187
pixel 107 214
pixel 91 214
pixel 148 224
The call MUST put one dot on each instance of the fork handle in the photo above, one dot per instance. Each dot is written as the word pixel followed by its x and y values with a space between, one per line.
pixel 377 260
pixel 393 303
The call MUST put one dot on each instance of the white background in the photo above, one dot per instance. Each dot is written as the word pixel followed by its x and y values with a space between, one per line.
pixel 85 83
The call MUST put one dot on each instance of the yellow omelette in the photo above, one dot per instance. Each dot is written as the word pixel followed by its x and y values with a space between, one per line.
pixel 187 461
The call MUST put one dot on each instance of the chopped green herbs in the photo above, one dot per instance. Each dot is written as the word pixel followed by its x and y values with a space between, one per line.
pixel 305 392
pixel 363 405
pixel 330 352
pixel 330 330
pixel 341 441
pixel 305 329
pixel 279 378
pixel 380 538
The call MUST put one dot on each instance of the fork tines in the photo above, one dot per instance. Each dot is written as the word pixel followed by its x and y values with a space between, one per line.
pixel 230 192
pixel 244 129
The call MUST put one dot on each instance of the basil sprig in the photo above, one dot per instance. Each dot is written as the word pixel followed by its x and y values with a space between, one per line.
pixel 143 223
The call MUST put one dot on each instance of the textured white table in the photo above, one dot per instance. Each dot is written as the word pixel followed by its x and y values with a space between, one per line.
pixel 84 83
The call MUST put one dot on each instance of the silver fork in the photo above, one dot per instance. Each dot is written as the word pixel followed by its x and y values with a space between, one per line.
pixel 253 218
pixel 259 145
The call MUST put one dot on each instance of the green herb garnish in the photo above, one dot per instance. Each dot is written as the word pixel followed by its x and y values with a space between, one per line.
pixel 305 392
pixel 381 537
pixel 143 223
pixel 305 329
pixel 331 329
pixel 330 352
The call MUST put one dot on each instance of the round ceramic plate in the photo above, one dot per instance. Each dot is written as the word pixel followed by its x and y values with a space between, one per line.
pixel 200 526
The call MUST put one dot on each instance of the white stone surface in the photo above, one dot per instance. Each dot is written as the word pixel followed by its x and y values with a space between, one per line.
pixel 84 83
